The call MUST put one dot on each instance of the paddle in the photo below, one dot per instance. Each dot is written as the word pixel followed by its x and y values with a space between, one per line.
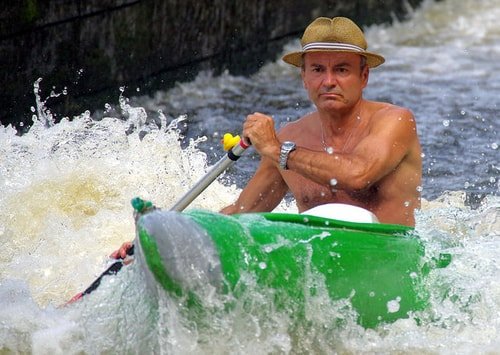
pixel 233 154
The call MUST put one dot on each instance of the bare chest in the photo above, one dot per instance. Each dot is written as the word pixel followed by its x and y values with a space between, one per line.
pixel 309 194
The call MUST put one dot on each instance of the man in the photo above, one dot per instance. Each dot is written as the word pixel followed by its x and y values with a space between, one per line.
pixel 350 150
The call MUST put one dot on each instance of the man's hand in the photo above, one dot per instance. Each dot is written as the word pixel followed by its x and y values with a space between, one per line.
pixel 259 130
pixel 122 253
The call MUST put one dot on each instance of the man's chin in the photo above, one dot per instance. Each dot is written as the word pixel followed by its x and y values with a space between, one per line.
pixel 332 105
pixel 332 98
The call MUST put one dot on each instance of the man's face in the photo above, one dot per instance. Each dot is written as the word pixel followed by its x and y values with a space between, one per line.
pixel 334 80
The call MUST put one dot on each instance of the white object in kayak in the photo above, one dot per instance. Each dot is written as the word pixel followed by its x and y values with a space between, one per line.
pixel 343 212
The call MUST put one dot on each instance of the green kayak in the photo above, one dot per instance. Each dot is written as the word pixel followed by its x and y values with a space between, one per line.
pixel 291 258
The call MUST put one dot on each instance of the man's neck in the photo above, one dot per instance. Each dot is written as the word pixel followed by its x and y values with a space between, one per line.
pixel 338 122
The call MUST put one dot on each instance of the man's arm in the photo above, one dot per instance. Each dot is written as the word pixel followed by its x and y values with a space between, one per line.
pixel 376 155
pixel 263 192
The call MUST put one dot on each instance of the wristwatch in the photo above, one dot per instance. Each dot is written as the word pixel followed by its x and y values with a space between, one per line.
pixel 286 148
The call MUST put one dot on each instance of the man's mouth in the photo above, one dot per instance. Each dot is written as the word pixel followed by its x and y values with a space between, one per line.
pixel 333 95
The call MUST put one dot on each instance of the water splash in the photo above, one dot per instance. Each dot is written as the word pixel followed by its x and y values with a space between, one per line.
pixel 66 189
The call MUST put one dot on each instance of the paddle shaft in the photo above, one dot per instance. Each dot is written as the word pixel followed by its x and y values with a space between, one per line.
pixel 231 157
pixel 216 170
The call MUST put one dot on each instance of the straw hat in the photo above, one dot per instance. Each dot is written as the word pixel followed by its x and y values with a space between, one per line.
pixel 338 34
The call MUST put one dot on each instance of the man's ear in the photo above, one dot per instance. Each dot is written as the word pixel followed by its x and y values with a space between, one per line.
pixel 302 75
pixel 365 74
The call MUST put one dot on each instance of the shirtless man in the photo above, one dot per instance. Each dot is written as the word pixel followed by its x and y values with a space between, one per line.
pixel 350 150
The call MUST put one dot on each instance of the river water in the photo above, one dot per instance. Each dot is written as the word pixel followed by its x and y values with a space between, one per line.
pixel 66 190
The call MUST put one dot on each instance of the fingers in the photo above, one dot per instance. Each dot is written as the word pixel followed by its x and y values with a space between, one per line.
pixel 258 118
pixel 122 252
pixel 258 128
pixel 124 249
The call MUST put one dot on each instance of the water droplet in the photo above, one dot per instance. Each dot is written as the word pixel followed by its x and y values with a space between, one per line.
pixel 422 155
pixel 466 184
pixel 329 150
pixel 262 265
pixel 494 146
pixel 462 112
pixel 371 294
pixel 446 123
pixel 420 188
pixel 393 305
pixel 333 182
pixel 407 203
pixel 492 180
pixel 33 109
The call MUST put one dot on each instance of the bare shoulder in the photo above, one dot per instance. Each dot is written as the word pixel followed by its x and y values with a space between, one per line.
pixel 387 117
pixel 388 112
pixel 296 129
pixel 394 128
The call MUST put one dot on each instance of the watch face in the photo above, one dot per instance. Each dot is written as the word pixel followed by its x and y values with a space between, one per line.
pixel 288 145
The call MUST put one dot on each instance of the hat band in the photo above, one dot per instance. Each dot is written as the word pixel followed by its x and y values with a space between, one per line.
pixel 332 46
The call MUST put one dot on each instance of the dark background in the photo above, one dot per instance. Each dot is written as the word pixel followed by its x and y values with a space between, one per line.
pixel 91 48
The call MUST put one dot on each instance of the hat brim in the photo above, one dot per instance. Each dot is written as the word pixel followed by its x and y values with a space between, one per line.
pixel 372 60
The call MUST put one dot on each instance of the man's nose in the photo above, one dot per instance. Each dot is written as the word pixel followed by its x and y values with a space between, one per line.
pixel 330 79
